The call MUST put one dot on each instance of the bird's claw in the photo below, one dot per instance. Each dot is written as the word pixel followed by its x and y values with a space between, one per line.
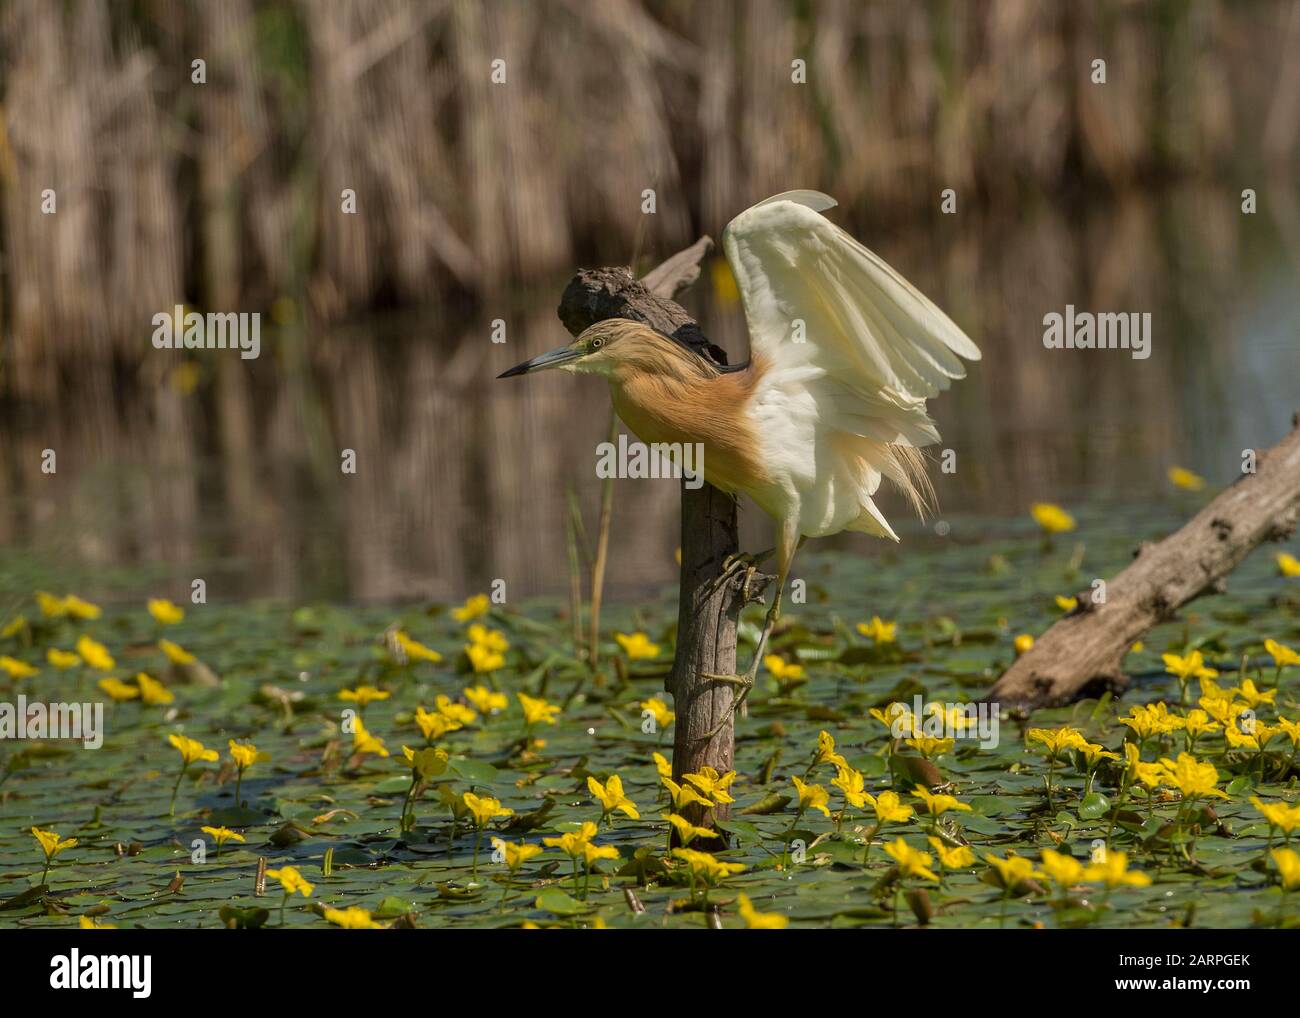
pixel 743 683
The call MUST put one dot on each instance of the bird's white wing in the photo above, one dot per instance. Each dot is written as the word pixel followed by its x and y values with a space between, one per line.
pixel 844 341
pixel 861 320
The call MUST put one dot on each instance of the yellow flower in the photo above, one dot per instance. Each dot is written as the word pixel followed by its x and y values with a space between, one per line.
pixel 50 843
pixel 474 608
pixel 1287 564
pixel 1198 722
pixel 877 630
pixel 1057 740
pixel 637 646
pixel 1151 719
pixel 1191 778
pixel 684 795
pixel 62 659
pixel 1052 518
pixel 191 750
pixel 80 609
pixel 937 805
pixel 1281 654
pixel 221 834
pixel 1012 871
pixel 755 920
pixel 362 696
pixel 434 725
pixel 911 863
pixel 164 611
pixel 574 843
pixel 95 654
pixel 1150 774
pixel 537 710
pixel 928 746
pixel 427 762
pixel 659 711
pixel 363 742
pixel 292 881
pixel 492 639
pixel 952 857
pixel 176 654
pixel 515 854
pixel 896 716
pixel 118 690
pixel 1066 604
pixel 352 918
pixel 712 784
pixel 1254 696
pixel 87 922
pixel 812 796
pixel 484 808
pixel 610 796
pixel 17 669
pixel 888 808
pixel 483 658
pixel 783 671
pixel 825 752
pixel 1024 643
pixel 453 711
pixel 414 649
pixel 1113 871
pixel 1063 870
pixel 486 701
pixel 1287 861
pixel 51 607
pixel 153 692
pixel 706 866
pixel 686 830
pixel 13 627
pixel 1093 754
pixel 663 767
pixel 245 754
pixel 1190 667
pixel 1183 478
pixel 850 782
pixel 1284 817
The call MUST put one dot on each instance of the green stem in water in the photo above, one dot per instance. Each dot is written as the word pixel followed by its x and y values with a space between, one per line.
pixel 171 810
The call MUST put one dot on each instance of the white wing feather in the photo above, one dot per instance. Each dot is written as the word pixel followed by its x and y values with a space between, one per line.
pixel 873 349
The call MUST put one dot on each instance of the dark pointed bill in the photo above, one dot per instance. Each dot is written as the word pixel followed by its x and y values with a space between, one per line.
pixel 550 359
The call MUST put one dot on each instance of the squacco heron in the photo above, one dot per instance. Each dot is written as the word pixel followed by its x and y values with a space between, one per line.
pixel 844 352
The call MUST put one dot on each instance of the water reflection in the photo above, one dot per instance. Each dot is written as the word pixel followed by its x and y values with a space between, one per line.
pixel 233 472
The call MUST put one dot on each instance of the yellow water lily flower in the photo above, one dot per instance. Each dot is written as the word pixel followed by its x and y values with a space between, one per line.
pixel 1012 871
pixel 51 607
pixel 164 611
pixel 1197 722
pixel 911 862
pixel 483 658
pixel 782 670
pixel 484 808
pixel 515 854
pixel 706 866
pixel 79 609
pixel 1152 775
pixel 221 834
pixel 952 857
pixel 1191 777
pixel 1191 666
pixel 637 646
pixel 825 752
pixel 1023 643
pixel 1254 696
pixel 17 669
pixel 756 920
pixel 292 881
pixel 663 766
pixel 1151 719
pixel 811 796
pixel 62 659
pixel 95 654
pixel 51 844
pixel 1287 861
pixel 888 808
pixel 574 843
pixel 87 922
pixel 712 784
pixel 414 649
pixel 1283 816
pixel 352 918
pixel 176 654
pixel 851 783
pixel 1281 654
pixel 537 710
pixel 1113 871
pixel 878 630
pixel 485 700
pixel 1052 518
pixel 191 750
pixel 245 754
pixel 475 607
pixel 1066 604
pixel 688 831
pixel 1288 564
pixel 14 627
pixel 1063 870
pixel 683 795
pixel 427 762
pixel 610 796
pixel 363 696
pixel 153 692
pixel 659 711
pixel 1181 477
pixel 492 639
pixel 118 690
pixel 937 805
pixel 365 743
pixel 434 724
pixel 1057 740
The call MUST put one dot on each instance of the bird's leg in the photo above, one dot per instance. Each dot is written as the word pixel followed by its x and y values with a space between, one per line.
pixel 745 683
pixel 738 562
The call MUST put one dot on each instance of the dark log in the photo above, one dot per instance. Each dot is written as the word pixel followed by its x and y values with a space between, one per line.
pixel 707 611
pixel 1082 654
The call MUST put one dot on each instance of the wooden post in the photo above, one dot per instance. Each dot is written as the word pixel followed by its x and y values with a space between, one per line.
pixel 1083 652
pixel 707 611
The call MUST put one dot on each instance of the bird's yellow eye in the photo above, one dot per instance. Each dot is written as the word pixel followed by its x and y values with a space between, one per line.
pixel 597 343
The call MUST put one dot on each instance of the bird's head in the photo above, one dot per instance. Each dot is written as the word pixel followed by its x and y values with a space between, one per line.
pixel 607 348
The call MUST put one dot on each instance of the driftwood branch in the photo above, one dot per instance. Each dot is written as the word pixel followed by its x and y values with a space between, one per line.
pixel 1082 653
pixel 707 610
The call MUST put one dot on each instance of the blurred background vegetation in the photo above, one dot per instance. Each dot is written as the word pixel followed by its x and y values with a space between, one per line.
pixel 477 200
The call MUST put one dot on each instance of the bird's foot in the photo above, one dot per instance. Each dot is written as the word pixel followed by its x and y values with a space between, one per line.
pixel 744 685
pixel 741 562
